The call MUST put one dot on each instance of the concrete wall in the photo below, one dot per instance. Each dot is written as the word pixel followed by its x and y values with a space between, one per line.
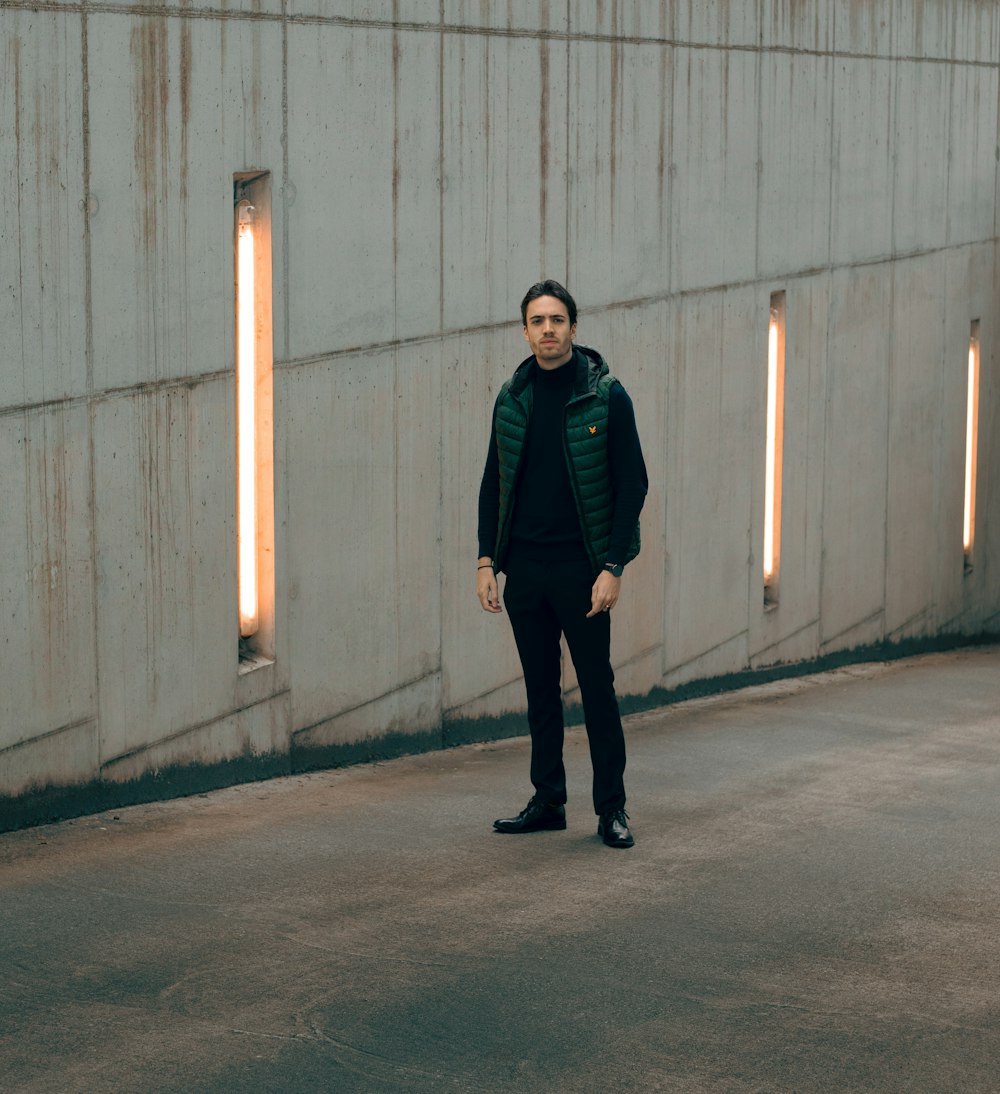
pixel 674 163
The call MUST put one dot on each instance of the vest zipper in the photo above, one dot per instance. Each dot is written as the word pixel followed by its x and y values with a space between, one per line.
pixel 577 500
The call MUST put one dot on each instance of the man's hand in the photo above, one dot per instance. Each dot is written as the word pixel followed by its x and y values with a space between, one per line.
pixel 486 587
pixel 604 594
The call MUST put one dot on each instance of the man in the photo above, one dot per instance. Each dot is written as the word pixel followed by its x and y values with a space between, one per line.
pixel 559 514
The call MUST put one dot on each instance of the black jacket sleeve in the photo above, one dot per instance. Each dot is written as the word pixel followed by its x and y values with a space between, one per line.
pixel 628 471
pixel 489 497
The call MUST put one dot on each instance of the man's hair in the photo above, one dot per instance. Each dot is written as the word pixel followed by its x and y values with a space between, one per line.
pixel 548 288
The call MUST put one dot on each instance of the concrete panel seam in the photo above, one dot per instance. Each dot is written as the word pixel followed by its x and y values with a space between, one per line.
pixel 924 613
pixel 68 728
pixel 996 169
pixel 745 633
pixel 784 639
pixel 954 622
pixel 890 351
pixel 191 729
pixel 876 615
pixel 641 655
pixel 374 348
pixel 832 160
pixel 88 298
pixel 786 275
pixel 148 387
pixel 81 7
pixel 442 403
pixel 367 703
pixel 172 383
pixel 286 231
pixel 530 34
pixel 479 696
pixel 440 167
pixel 759 166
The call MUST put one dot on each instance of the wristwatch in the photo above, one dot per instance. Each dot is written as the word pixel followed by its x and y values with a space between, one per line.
pixel 616 569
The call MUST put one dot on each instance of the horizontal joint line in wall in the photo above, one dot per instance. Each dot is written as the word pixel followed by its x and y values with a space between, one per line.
pixel 105 764
pixel 147 387
pixel 367 703
pixel 151 386
pixel 222 14
pixel 68 728
pixel 922 614
pixel 453 712
pixel 621 305
pixel 827 642
pixel 784 276
pixel 955 621
pixel 705 653
pixel 373 348
pixel 93 7
pixel 168 383
pixel 637 657
pixel 781 641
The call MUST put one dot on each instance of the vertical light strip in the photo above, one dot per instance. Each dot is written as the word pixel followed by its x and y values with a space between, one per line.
pixel 769 471
pixel 254 353
pixel 773 457
pixel 246 424
pixel 971 444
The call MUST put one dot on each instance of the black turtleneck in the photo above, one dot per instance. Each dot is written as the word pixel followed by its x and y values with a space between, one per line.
pixel 545 524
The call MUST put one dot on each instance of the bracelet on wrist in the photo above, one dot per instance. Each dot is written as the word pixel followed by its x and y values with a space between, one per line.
pixel 485 566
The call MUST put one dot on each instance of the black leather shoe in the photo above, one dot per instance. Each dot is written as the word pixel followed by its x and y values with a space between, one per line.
pixel 536 816
pixel 613 829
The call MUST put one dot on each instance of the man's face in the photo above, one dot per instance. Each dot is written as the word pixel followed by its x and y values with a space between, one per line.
pixel 548 332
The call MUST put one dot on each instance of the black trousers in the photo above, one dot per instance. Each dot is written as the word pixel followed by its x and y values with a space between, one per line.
pixel 544 600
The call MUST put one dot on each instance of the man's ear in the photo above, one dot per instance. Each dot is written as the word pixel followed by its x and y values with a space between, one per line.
pixel 525 334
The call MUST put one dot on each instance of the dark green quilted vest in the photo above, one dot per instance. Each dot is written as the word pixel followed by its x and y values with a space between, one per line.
pixel 586 448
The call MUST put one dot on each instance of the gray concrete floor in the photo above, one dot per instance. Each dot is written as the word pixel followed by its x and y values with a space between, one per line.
pixel 812 905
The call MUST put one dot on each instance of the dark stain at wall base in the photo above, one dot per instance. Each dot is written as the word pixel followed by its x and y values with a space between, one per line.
pixel 469 731
pixel 880 652
pixel 370 750
pixel 57 803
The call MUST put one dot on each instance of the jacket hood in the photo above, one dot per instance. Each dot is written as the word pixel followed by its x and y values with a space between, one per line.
pixel 590 367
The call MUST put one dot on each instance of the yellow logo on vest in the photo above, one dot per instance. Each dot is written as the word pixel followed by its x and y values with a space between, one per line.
pixel 592 428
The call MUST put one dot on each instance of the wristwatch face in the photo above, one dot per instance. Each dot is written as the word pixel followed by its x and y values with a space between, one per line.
pixel 614 569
